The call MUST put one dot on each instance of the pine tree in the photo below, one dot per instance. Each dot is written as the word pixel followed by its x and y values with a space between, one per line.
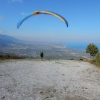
pixel 92 49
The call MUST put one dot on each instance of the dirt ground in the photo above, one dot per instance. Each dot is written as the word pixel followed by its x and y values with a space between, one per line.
pixel 49 80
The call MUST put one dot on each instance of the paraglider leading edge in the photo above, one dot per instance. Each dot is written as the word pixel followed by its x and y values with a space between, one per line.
pixel 41 12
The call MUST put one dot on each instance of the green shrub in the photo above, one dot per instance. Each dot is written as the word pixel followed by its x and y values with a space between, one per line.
pixel 96 61
pixel 98 57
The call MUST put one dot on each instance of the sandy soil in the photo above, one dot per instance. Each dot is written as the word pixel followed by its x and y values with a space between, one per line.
pixel 49 80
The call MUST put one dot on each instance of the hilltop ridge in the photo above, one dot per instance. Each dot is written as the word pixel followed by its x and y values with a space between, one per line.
pixel 31 49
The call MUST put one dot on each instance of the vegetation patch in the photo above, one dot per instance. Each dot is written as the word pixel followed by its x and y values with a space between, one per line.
pixel 8 56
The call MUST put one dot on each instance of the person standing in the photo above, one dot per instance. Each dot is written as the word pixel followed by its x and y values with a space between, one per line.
pixel 41 55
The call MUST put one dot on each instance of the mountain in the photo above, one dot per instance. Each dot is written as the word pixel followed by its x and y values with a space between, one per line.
pixel 13 46
pixel 6 40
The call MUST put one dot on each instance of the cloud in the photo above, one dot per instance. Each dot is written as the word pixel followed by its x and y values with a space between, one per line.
pixel 8 1
pixel 23 13
pixel 1 18
pixel 1 31
pixel 17 0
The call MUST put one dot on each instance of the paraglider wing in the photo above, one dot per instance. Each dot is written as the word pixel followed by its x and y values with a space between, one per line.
pixel 41 12
pixel 23 19
pixel 51 13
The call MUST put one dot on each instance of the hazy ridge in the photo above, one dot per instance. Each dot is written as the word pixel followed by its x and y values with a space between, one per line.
pixel 13 46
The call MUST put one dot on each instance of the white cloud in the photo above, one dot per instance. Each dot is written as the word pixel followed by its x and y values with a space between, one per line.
pixel 23 13
pixel 8 1
pixel 1 31
pixel 0 18
pixel 17 0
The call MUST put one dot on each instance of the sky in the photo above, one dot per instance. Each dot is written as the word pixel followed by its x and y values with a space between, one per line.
pixel 83 17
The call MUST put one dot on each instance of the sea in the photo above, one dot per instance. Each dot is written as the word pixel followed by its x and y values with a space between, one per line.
pixel 78 45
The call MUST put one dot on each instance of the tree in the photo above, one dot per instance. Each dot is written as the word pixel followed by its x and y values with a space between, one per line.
pixel 92 49
pixel 98 57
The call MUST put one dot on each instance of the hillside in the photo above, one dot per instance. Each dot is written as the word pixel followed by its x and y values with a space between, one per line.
pixel 5 40
pixel 13 46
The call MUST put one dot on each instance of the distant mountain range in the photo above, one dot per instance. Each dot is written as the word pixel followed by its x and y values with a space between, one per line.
pixel 13 46
pixel 5 40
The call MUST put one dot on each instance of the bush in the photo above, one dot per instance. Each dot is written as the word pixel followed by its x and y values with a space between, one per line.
pixel 96 61
pixel 8 56
pixel 98 57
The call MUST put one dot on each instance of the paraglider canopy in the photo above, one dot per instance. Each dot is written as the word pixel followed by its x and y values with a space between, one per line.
pixel 41 12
